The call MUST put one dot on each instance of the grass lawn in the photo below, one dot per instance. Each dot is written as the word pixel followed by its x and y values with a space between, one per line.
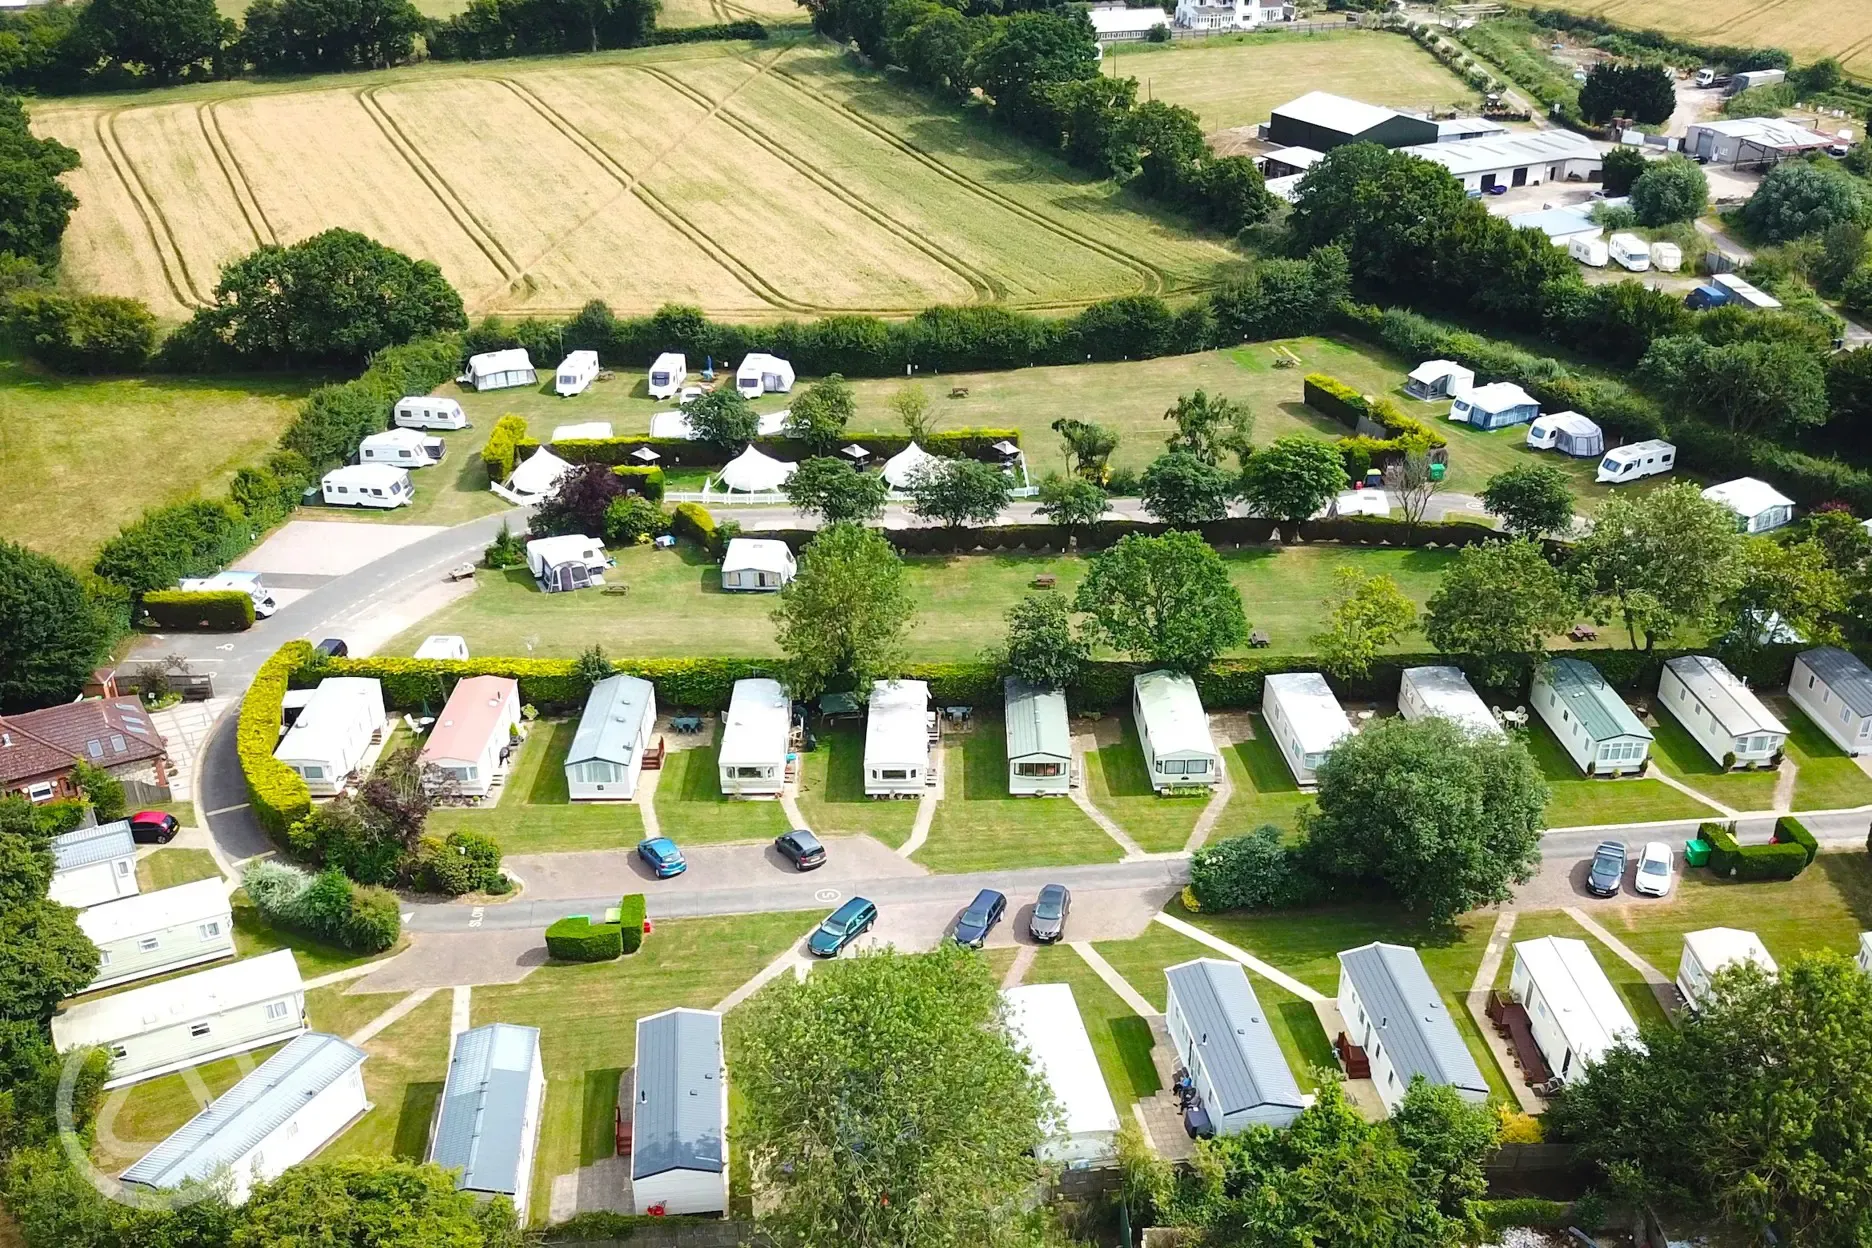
pixel 167 868
pixel 1639 1000
pixel 1000 959
pixel 185 811
pixel 253 937
pixel 1678 754
pixel 535 816
pixel 832 797
pixel 1120 1038
pixel 133 1120
pixel 1576 800
pixel 1119 784
pixel 979 827
pixel 449 492
pixel 691 808
pixel 1265 790
pixel 1829 779
pixel 335 1009
pixel 403 1079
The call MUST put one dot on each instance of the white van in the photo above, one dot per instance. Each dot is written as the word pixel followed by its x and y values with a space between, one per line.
pixel 422 411
pixel 236 582
pixel 1588 251
pixel 667 374
pixel 1631 252
pixel 368 485
pixel 1640 459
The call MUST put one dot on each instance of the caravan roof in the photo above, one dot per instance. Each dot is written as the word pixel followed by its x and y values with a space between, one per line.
pixel 480 1128
pixel 469 718
pixel 330 717
pixel 1173 714
pixel 1243 1060
pixel 145 1009
pixel 1848 678
pixel 755 730
pixel 1732 704
pixel 1582 1001
pixel 1584 691
pixel 1445 691
pixel 1409 1016
pixel 381 476
pixel 1498 396
pixel 1632 451
pixel 83 846
pixel 1045 1020
pixel 1436 370
pixel 1717 947
pixel 613 721
pixel 1747 496
pixel 401 438
pixel 194 902
pixel 1312 711
pixel 1035 720
pixel 511 360
pixel 676 1121
pixel 897 724
pixel 757 554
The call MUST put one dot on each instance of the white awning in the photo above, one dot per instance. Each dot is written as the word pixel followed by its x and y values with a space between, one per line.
pixel 900 468
pixel 538 475
pixel 752 472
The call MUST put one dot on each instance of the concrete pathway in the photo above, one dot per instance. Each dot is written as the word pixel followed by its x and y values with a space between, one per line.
pixel 461 1010
pixel 184 727
pixel 1113 980
pixel 1492 956
pixel 795 959
pixel 1662 986
pixel 1219 799
pixel 1081 744
pixel 1784 784
pixel 789 802
pixel 346 975
pixel 364 1034
pixel 1242 956
pixel 1654 772
pixel 1477 1001
pixel 1023 962
pixel 926 809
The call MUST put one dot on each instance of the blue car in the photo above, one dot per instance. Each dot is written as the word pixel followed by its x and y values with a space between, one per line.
pixel 662 856
pixel 841 927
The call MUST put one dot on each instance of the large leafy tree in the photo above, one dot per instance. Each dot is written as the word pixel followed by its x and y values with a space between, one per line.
pixel 1292 478
pixel 382 1202
pixel 163 37
pixel 1210 427
pixel 34 204
pixel 44 957
pixel 1022 59
pixel 295 36
pixel 1530 500
pixel 1799 197
pixel 1388 211
pixel 842 616
pixel 1089 446
pixel 1184 490
pixel 1364 614
pixel 1645 93
pixel 50 638
pixel 1751 386
pixel 1497 604
pixel 1073 503
pixel 818 415
pixel 1164 600
pixel 832 490
pixel 960 492
pixel 1793 583
pixel 1662 563
pixel 1670 191
pixel 1042 648
pixel 724 419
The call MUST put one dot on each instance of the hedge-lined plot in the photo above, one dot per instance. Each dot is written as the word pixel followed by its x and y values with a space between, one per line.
pixel 1810 29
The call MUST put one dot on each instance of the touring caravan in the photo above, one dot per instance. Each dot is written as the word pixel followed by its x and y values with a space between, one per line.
pixel 499 370
pixel 236 582
pixel 1640 459
pixel 1666 257
pixel 1589 251
pixel 1567 432
pixel 368 485
pixel 569 561
pixel 422 411
pixel 401 448
pixel 667 375
pixel 761 373
pixel 576 374
pixel 1630 251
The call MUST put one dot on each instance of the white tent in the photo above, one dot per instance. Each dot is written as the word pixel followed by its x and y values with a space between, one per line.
pixel 539 476
pixel 597 429
pixel 751 472
pixel 498 370
pixel 902 467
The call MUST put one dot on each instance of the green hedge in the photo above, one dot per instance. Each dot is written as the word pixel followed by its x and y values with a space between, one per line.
pixel 977 443
pixel 278 796
pixel 1781 860
pixel 502 449
pixel 411 684
pixel 165 544
pixel 693 521
pixel 1332 397
pixel 334 419
pixel 631 915
pixel 645 480
pixel 1498 1215
pixel 215 611
pixel 578 939
pixel 1790 831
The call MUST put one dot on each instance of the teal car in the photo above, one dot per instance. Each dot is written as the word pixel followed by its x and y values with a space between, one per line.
pixel 841 927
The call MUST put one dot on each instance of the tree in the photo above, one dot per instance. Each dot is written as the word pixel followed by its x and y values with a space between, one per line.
pixel 834 491
pixel 818 416
pixel 1799 197
pixel 1531 500
pixel 1413 480
pixel 164 37
pixel 1209 428
pixel 960 492
pixel 1671 190
pixel 887 1105
pixel 1364 614
pixel 1042 648
pixel 298 36
pixel 579 502
pixel 1094 116
pixel 44 957
pixel 1184 491
pixel 1842 253
pixel 1662 562
pixel 592 666
pixel 1793 584
pixel 34 204
pixel 724 419
pixel 1497 604
pixel 80 333
pixel 1162 600
pixel 103 791
pixel 50 637
pixel 912 405
pixel 1442 819
pixel 1749 386
pixel 1449 1140
pixel 1073 503
pixel 1169 142
pixel 1291 478
pixel 381 1201
pixel 1023 57
pixel 1623 167
pixel 1387 211
pixel 843 615
pixel 1089 446
pixel 1849 392
pixel 1643 93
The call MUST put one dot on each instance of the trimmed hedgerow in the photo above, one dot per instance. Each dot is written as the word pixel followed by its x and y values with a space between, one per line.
pixel 577 939
pixel 501 452
pixel 693 521
pixel 1790 831
pixel 1529 1211
pixel 215 611
pixel 165 544
pixel 646 480
pixel 277 793
pixel 976 443
pixel 1780 860
pixel 631 915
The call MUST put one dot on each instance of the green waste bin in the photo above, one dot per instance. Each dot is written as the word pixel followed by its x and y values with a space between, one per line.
pixel 1436 472
pixel 1696 852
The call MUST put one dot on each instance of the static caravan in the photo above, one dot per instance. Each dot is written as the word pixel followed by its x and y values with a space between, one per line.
pixel 1630 252
pixel 1591 252
pixel 1575 1013
pixel 679 1115
pixel 500 370
pixel 1640 459
pixel 667 374
pixel 1305 719
pixel 401 448
pixel 1721 712
pixel 1758 506
pixel 91 866
pixel 156 933
pixel 1222 1036
pixel 487 1121
pixel 898 729
pixel 294 1104
pixel 1835 690
pixel 425 411
pixel 1495 406
pixel 583 431
pixel 760 564
pixel 1445 691
pixel 1044 1020
pixel 471 739
pixel 1714 949
pixel 607 754
pixel 1438 379
pixel 368 485
pixel 1393 1012
pixel 1173 730
pixel 1589 719
pixel 755 734
pixel 198 1018
pixel 575 374
pixel 761 373
pixel 535 480
pixel 1666 257
pixel 1039 742
pixel 443 646
pixel 566 562
pixel 333 733
pixel 1567 432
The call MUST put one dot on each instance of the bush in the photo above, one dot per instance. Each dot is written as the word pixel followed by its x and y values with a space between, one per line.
pixel 632 519
pixel 578 939
pixel 326 907
pixel 507 550
pixel 965 443
pixel 693 521
pixel 164 545
pixel 1781 860
pixel 641 479
pixel 81 333
pixel 1549 1215
pixel 498 456
pixel 216 611
pixel 631 917
pixel 1790 831
pixel 1253 872
pixel 276 792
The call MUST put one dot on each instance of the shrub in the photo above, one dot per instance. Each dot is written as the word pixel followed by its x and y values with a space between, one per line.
pixel 216 611
pixel 375 920
pixel 632 519
pixel 276 792
pixel 327 906
pixel 693 521
pixel 1790 831
pixel 1781 860
pixel 578 939
pixel 81 333
pixel 631 915
pixel 104 791
pixel 1499 1215
pixel 498 456
pixel 163 545
pixel 507 550
pixel 1253 872
pixel 641 479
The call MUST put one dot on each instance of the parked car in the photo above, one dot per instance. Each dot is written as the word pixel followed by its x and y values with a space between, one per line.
pixel 153 827
pixel 1048 923
pixel 971 930
pixel 662 856
pixel 801 848
pixel 841 927
pixel 1653 877
pixel 1608 869
pixel 332 648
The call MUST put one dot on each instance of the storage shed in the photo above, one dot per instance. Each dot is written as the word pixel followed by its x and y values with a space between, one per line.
pixel 1039 741
pixel 1393 1012
pixel 1323 121
pixel 500 370
pixel 197 1018
pixel 93 865
pixel 1305 719
pixel 667 374
pixel 757 563
pixel 755 735
pixel 1636 461
pixel 897 739
pixel 1495 406
pixel 1835 691
pixel 761 373
pixel 1567 432
pixel 614 733
pixel 488 1119
pixel 1711 950
pixel 575 374
pixel 1221 1035
pixel 1438 379
pixel 751 472
pixel 379 486
pixel 400 448
pixel 535 480
pixel 1757 505
pixel 334 733
pixel 295 1103
pixel 1575 1013
pixel 1445 691
pixel 566 562
pixel 679 1115
pixel 427 411
pixel 1723 714
pixel 1173 730
pixel 156 933
pixel 1589 719
pixel 469 743
pixel 1044 1020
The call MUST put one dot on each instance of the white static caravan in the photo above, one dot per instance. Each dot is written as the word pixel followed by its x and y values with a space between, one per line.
pixel 1445 691
pixel 424 411
pixel 1711 950
pixel 469 741
pixel 401 448
pixel 1439 379
pixel 294 1104
pixel 1723 714
pixel 198 1018
pixel 607 754
pixel 333 733
pixel 760 564
pixel 1039 742
pixel 1567 432
pixel 897 739
pixel 91 866
pixel 1394 1013
pixel 368 485
pixel 575 374
pixel 1630 252
pixel 1835 691
pixel 156 933
pixel 1221 1035
pixel 1305 719
pixel 443 646
pixel 667 374
pixel 679 1115
pixel 487 1120
pixel 566 562
pixel 1589 719
pixel 1575 1013
pixel 761 373
pixel 1758 506
pixel 500 370
pixel 1173 730
pixel 1044 1020
pixel 1634 462
pixel 755 735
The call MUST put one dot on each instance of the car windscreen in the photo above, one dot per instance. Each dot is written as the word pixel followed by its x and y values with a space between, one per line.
pixel 806 842
pixel 1654 866
pixel 843 917
pixel 1048 907
pixel 1606 861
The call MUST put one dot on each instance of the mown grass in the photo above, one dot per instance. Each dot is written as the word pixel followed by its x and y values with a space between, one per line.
pixel 166 868
pixel 133 1120
pixel 1829 778
pixel 1118 782
pixel 832 796
pixel 1632 987
pixel 1679 755
pixel 1576 800
pixel 535 814
pixel 691 808
pixel 979 827
pixel 403 1078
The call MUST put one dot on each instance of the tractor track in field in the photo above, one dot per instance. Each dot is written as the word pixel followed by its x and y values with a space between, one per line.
pixel 208 118
pixel 169 255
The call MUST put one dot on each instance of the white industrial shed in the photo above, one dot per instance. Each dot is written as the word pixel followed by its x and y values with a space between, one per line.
pixel 607 754
pixel 1039 742
pixel 211 1014
pixel 1713 949
pixel 488 1119
pixel 499 370
pixel 1222 1036
pixel 755 734
pixel 91 866
pixel 156 933
pixel 334 733
pixel 897 739
pixel 1575 1013
pixel 295 1103
pixel 761 373
pixel 1305 718
pixel 1589 719
pixel 1522 158
pixel 401 448
pixel 1757 505
pixel 1393 1012
pixel 1173 730
pixel 1044 1020
pixel 575 373
pixel 758 564
pixel 679 1115
pixel 1835 690
pixel 1750 140
pixel 1445 691
pixel 1723 714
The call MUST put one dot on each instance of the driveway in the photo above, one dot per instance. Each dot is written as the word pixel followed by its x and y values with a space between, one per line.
pixel 1097 914
pixel 477 957
pixel 851 862
pixel 308 549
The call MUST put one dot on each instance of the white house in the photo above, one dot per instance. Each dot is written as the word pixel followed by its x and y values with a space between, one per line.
pixel 1439 379
pixel 667 374
pixel 1043 1020
pixel 156 933
pixel 752 472
pixel 469 743
pixel 1758 506
pixel 1305 719
pixel 400 448
pixel 295 1103
pixel 679 1115
pixel 1575 1013
pixel 566 562
pixel 1495 406
pixel 1393 1012
pixel 1713 949
pixel 197 1018
pixel 1230 14
pixel 1835 690
pixel 535 479
pixel 1039 742
pixel 607 754
pixel 755 734
pixel 334 733
pixel 424 411
pixel 382 486
pixel 1119 22
pixel 1589 719
pixel 1518 158
pixel 500 370
pixel 1723 714
pixel 1222 1036
pixel 582 431
pixel 897 739
pixel 443 646
pixel 1173 730
pixel 1638 460
pixel 93 865
pixel 575 374
pixel 761 373
pixel 757 563
pixel 1445 691
pixel 488 1119
pixel 1567 432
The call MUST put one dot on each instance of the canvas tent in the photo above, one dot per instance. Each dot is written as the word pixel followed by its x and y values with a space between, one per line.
pixel 488 1118
pixel 1173 728
pixel 897 738
pixel 575 373
pixel 537 478
pixel 567 561
pixel 607 753
pixel 1575 1013
pixel 902 468
pixel 156 933
pixel 1495 406
pixel 93 865
pixel 679 1115
pixel 500 370
pixel 761 373
pixel 1039 740
pixel 1044 1020
pixel 755 735
pixel 751 472
pixel 333 733
pixel 1394 1013
pixel 757 563
pixel 1305 719
pixel 1222 1036
pixel 1567 432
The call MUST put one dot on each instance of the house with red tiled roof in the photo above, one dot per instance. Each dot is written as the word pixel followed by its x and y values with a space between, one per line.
pixel 38 749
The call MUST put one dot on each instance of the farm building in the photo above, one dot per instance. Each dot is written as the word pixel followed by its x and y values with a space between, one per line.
pixel 1322 121
pixel 536 478
pixel 1119 22
pixel 1495 406
pixel 91 866
pixel 443 646
pixel 1757 505
pixel 424 411
pixel 667 374
pixel 333 733
pixel 1575 1014
pixel 1636 461
pixel 400 448
pixel 1835 690
pixel 902 468
pixel 1439 379
pixel 488 1118
pixel 1589 719
pixel 1445 691
pixel 1462 129
pixel 607 754
pixel 751 472
pixel 756 733
pixel 1523 158
pixel 1305 720
pixel 1723 714
pixel 1750 140
pixel 1567 432
pixel 1230 14
pixel 1714 949
pixel 1039 742
pixel 382 486
pixel 470 741
pixel 898 728
pixel 197 1018
pixel 1173 729
pixel 1044 1020
pixel 679 1115
pixel 156 933
pixel 566 562
pixel 585 430
pixel 1562 226
pixel 38 749
pixel 757 563
pixel 761 373
pixel 1222 1036
pixel 1392 1012
pixel 295 1103
pixel 500 370
pixel 1287 161
pixel 575 374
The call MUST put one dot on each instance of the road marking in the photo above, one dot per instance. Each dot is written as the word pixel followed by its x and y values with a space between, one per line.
pixel 475 915
pixel 827 895
pixel 228 810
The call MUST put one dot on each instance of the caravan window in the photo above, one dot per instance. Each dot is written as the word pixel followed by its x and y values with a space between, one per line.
pixel 198 1030
pixel 893 773
pixel 210 930
pixel 312 771
pixel 148 944
pixel 276 1009
pixel 1197 767
pixel 123 866
pixel 1171 767
pixel 1037 769
pixel 751 773
pixel 118 1050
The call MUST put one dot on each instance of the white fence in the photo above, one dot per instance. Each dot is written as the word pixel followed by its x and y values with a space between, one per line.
pixel 774 498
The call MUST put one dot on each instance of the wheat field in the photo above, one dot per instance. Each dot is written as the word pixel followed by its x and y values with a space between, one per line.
pixel 1810 29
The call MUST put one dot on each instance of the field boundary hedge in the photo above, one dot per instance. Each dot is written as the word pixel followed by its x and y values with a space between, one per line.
pixel 1233 531
pixel 215 611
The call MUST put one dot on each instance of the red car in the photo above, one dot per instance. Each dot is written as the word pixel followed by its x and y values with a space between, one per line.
pixel 153 827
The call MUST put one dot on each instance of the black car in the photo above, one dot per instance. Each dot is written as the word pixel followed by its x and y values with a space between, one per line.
pixel 972 929
pixel 332 648
pixel 841 927
pixel 1608 869
pixel 1048 923
pixel 801 848
pixel 153 827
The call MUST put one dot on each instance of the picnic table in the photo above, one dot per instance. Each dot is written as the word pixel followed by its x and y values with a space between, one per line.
pixel 685 723
pixel 1583 632
pixel 461 572
pixel 1046 580
pixel 1258 640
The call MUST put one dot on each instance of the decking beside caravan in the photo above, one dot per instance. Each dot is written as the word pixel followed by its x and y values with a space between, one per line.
pixel 379 486
pixel 1636 461
pixel 1589 719
pixel 1039 740
pixel 608 751
pixel 1305 720
pixel 487 1119
pixel 333 733
pixel 575 374
pixel 754 743
pixel 1445 692
pixel 898 732
pixel 1834 689
pixel 1173 730
pixel 160 932
pixel 91 866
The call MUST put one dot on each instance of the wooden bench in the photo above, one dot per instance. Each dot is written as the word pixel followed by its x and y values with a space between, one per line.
pixel 1046 580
